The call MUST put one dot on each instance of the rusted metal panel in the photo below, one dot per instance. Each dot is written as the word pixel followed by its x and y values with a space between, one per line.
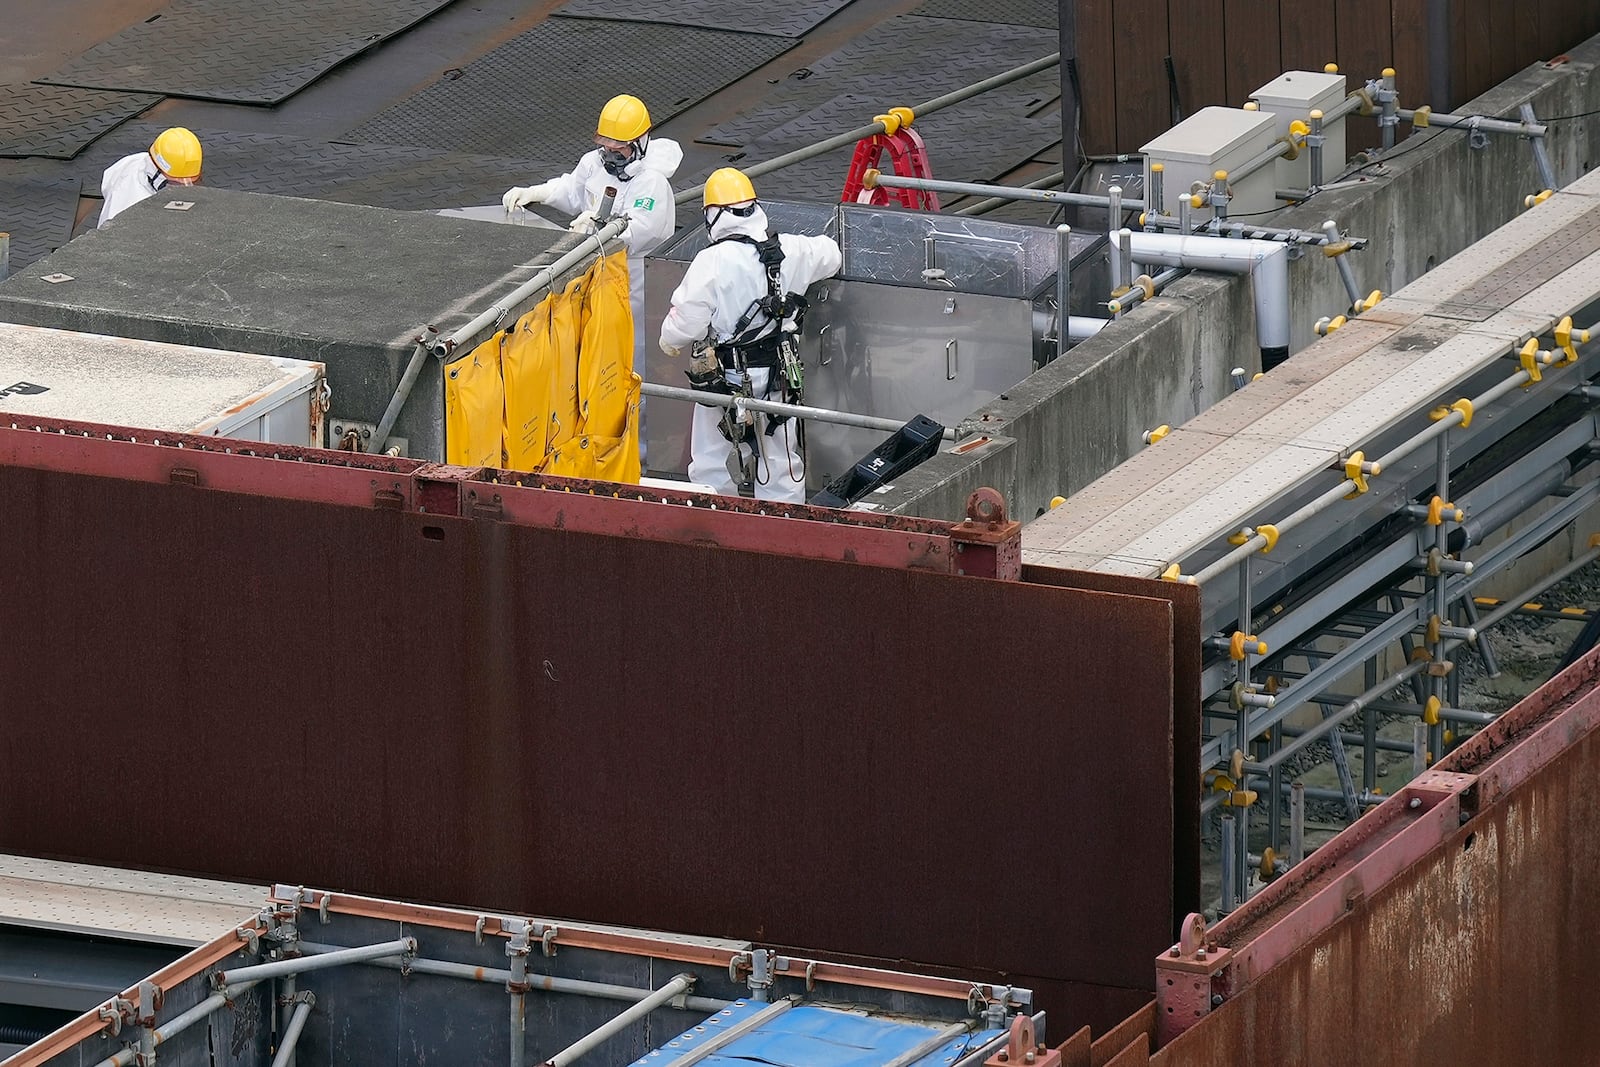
pixel 1140 1026
pixel 1139 67
pixel 1308 35
pixel 1097 73
pixel 1075 1050
pixel 1253 52
pixel 1471 887
pixel 1186 701
pixel 854 759
pixel 1198 56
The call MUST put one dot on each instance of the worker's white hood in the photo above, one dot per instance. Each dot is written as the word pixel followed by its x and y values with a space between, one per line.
pixel 662 154
pixel 753 226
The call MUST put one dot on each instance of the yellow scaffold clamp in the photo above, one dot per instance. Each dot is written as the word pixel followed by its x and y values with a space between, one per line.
pixel 1266 531
pixel 1420 117
pixel 1152 436
pixel 1440 509
pixel 1357 470
pixel 1430 711
pixel 1568 340
pixel 1242 643
pixel 1369 303
pixel 895 118
pixel 1326 326
pixel 1529 358
pixel 1535 199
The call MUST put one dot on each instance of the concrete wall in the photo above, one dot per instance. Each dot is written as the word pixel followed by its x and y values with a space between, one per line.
pixel 1169 360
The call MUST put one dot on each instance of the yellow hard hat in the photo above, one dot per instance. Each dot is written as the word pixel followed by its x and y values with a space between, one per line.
pixel 728 186
pixel 624 118
pixel 176 153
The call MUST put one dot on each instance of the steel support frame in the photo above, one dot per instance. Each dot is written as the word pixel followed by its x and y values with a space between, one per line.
pixel 388 483
pixel 1208 966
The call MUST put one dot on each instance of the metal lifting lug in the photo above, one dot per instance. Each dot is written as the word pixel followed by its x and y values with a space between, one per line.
pixel 547 940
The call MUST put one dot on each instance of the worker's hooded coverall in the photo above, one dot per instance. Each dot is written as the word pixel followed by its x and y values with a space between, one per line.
pixel 718 288
pixel 126 182
pixel 645 196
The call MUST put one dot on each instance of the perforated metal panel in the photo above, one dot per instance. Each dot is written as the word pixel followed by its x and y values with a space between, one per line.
pixel 239 51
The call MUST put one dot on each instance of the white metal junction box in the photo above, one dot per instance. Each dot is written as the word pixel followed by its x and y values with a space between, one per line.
pixel 155 386
pixel 1213 139
pixel 1294 95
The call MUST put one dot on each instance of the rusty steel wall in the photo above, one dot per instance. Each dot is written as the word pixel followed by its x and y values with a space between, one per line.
pixel 854 759
pixel 1453 924
pixel 1445 53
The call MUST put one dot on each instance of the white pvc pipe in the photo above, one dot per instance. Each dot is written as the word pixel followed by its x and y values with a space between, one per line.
pixel 1083 327
pixel 1267 263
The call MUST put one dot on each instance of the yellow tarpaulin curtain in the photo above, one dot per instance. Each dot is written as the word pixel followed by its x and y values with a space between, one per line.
pixel 556 394
pixel 474 398
pixel 606 439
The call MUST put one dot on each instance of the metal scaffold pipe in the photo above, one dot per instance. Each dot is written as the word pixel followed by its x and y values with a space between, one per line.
pixel 1055 177
pixel 177 1025
pixel 404 946
pixel 291 1034
pixel 774 407
pixel 1000 192
pixel 1471 122
pixel 871 128
pixel 594 1038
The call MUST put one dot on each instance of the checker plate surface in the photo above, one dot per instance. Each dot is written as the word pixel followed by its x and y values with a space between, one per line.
pixel 538 93
pixel 1013 12
pixel 240 51
pixel 58 122
pixel 38 213
pixel 891 65
pixel 793 18
pixel 394 176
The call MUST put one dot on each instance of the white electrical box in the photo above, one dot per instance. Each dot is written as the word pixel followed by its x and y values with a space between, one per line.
pixel 1213 139
pixel 150 385
pixel 1292 96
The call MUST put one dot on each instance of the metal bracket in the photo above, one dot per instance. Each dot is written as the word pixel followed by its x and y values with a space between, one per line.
pixel 1188 980
pixel 353 435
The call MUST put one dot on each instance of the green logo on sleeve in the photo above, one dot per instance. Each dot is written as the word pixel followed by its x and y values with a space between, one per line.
pixel 646 202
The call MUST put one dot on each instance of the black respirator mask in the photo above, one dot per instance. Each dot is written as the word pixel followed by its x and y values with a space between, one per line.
pixel 714 212
pixel 617 161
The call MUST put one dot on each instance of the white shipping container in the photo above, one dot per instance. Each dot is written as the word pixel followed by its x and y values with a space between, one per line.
pixel 155 386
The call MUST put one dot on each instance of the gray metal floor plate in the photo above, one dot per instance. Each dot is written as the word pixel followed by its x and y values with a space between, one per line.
pixel 793 18
pixel 58 122
pixel 38 213
pixel 240 51
pixel 541 91
pixel 393 176
pixel 1012 12
pixel 890 65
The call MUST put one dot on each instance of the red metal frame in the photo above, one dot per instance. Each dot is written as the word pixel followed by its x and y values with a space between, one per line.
pixel 908 156
pixel 356 480
pixel 1308 901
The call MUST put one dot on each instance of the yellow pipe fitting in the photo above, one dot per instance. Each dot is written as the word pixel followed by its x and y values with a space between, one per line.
pixel 1157 168
pixel 1431 634
pixel 1294 146
pixel 1236 765
pixel 1299 129
pixel 1237 539
pixel 1421 654
pixel 869 178
pixel 1241 643
pixel 1219 176
pixel 891 123
pixel 1057 501
pixel 1269 863
pixel 1529 358
pixel 1449 738
pixel 1419 120
pixel 904 114
pixel 1430 711
pixel 1370 302
pixel 1327 326
pixel 1464 406
pixel 1251 105
pixel 1270 533
pixel 1356 470
pixel 1330 68
pixel 1196 200
pixel 1141 218
pixel 1172 574
pixel 1594 540
pixel 1439 509
pixel 1568 339
pixel 1439 412
pixel 1148 284
pixel 1538 198
pixel 1336 248
pixel 1368 108
pixel 1388 72
pixel 1152 436
pixel 1258 375
pixel 1241 798
pixel 1221 783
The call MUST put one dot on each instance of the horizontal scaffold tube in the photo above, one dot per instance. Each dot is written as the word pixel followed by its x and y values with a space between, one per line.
pixel 773 407
pixel 998 192
pixel 1266 262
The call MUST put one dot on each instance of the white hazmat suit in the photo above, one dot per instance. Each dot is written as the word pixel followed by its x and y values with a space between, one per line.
pixel 721 283
pixel 126 182
pixel 644 195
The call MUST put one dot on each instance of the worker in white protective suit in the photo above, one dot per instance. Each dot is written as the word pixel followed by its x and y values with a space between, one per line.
pixel 626 158
pixel 173 158
pixel 739 309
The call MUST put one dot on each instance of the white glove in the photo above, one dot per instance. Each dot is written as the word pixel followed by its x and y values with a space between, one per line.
pixel 584 223
pixel 523 195
pixel 672 350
